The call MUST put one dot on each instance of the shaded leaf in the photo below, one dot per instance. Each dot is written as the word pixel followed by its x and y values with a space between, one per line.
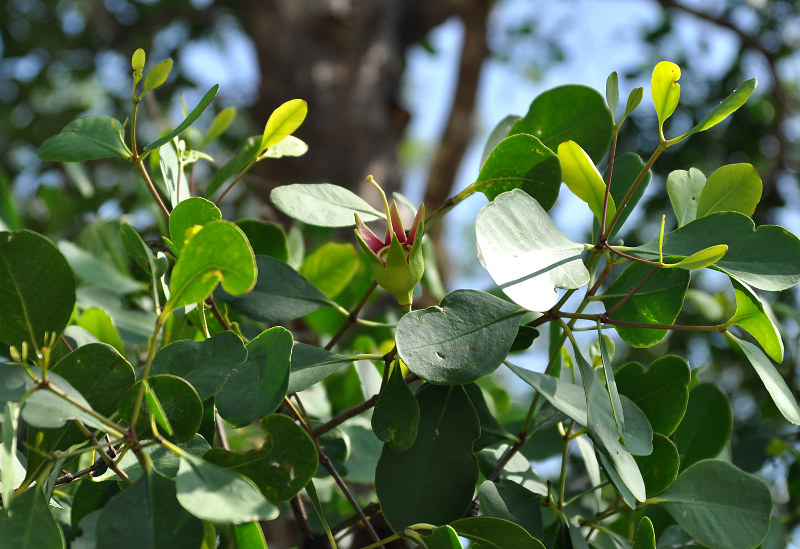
pixel 97 322
pixel 37 289
pixel 204 364
pixel 97 272
pixel 331 267
pixel 282 466
pixel 243 158
pixel 767 258
pixel 179 401
pixel 311 365
pixel 280 294
pixel 660 468
pixel 508 500
pixel 396 414
pixel 525 253
pixel 257 387
pixel 29 523
pixel 468 336
pixel 150 509
pixel 87 138
pixel 627 167
pixel 720 505
pixel 212 493
pixel 661 392
pixel 499 133
pixel 706 426
pixel 494 533
pixel 434 480
pixel 658 301
pixel 645 537
pixel 266 238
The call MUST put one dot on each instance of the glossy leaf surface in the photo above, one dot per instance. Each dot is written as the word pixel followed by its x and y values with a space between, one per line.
pixel 751 314
pixel 190 212
pixel 188 121
pixel 706 426
pixel 494 533
pixel 178 400
pixel 731 188
pixel 89 138
pixel 582 178
pixel 396 415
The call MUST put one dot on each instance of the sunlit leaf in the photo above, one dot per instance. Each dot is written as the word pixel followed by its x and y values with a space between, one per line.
pixel 734 188
pixel 188 121
pixel 730 104
pixel 525 253
pixel 581 176
pixel 190 212
pixel 665 90
pixel 323 204
pixel 703 258
pixel 283 121
pixel 753 315
pixel 157 76
pixel 684 189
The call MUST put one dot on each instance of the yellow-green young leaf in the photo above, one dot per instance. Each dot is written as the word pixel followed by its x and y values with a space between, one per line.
pixel 730 104
pixel 138 60
pixel 218 252
pixel 220 123
pixel 283 121
pixel 157 76
pixel 665 90
pixel 702 259
pixel 581 176
pixel 731 188
pixel 753 315
pixel 154 405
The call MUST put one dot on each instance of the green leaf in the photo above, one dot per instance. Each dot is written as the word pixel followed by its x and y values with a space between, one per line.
pixel 634 98
pixel 582 178
pixel 311 365
pixel 99 373
pixel 645 537
pixel 46 410
pixel 98 272
pixel 637 434
pixel 508 500
pixel 657 302
pixel 613 393
pixel 204 364
pixel 288 146
pixel 627 168
pixel 612 92
pixel 210 492
pixel 150 509
pixel 604 432
pixel 257 387
pixel 661 392
pixel 283 121
pixel 434 480
pixel 665 90
pixel 37 289
pixel 720 505
pixel 706 426
pixel 525 253
pixel 494 533
pixel 521 161
pixel 282 466
pixel 265 238
pixel 218 252
pixel 188 213
pixel 87 138
pixel 443 537
pixel 249 535
pixel 331 267
pixel 396 415
pixel 220 124
pixel 246 155
pixel 735 188
pixel 684 189
pixel 660 468
pixel 90 497
pixel 157 76
pixel 491 430
pixel 29 523
pixel 569 113
pixel 280 294
pixel 729 105
pixel 188 121
pixel 565 396
pixel 466 337
pixel 98 323
pixel 172 172
pixel 753 315
pixel 702 259
pixel 767 258
pixel 181 406
pixel 323 204
pixel 517 470
pixel 499 133
pixel 771 378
